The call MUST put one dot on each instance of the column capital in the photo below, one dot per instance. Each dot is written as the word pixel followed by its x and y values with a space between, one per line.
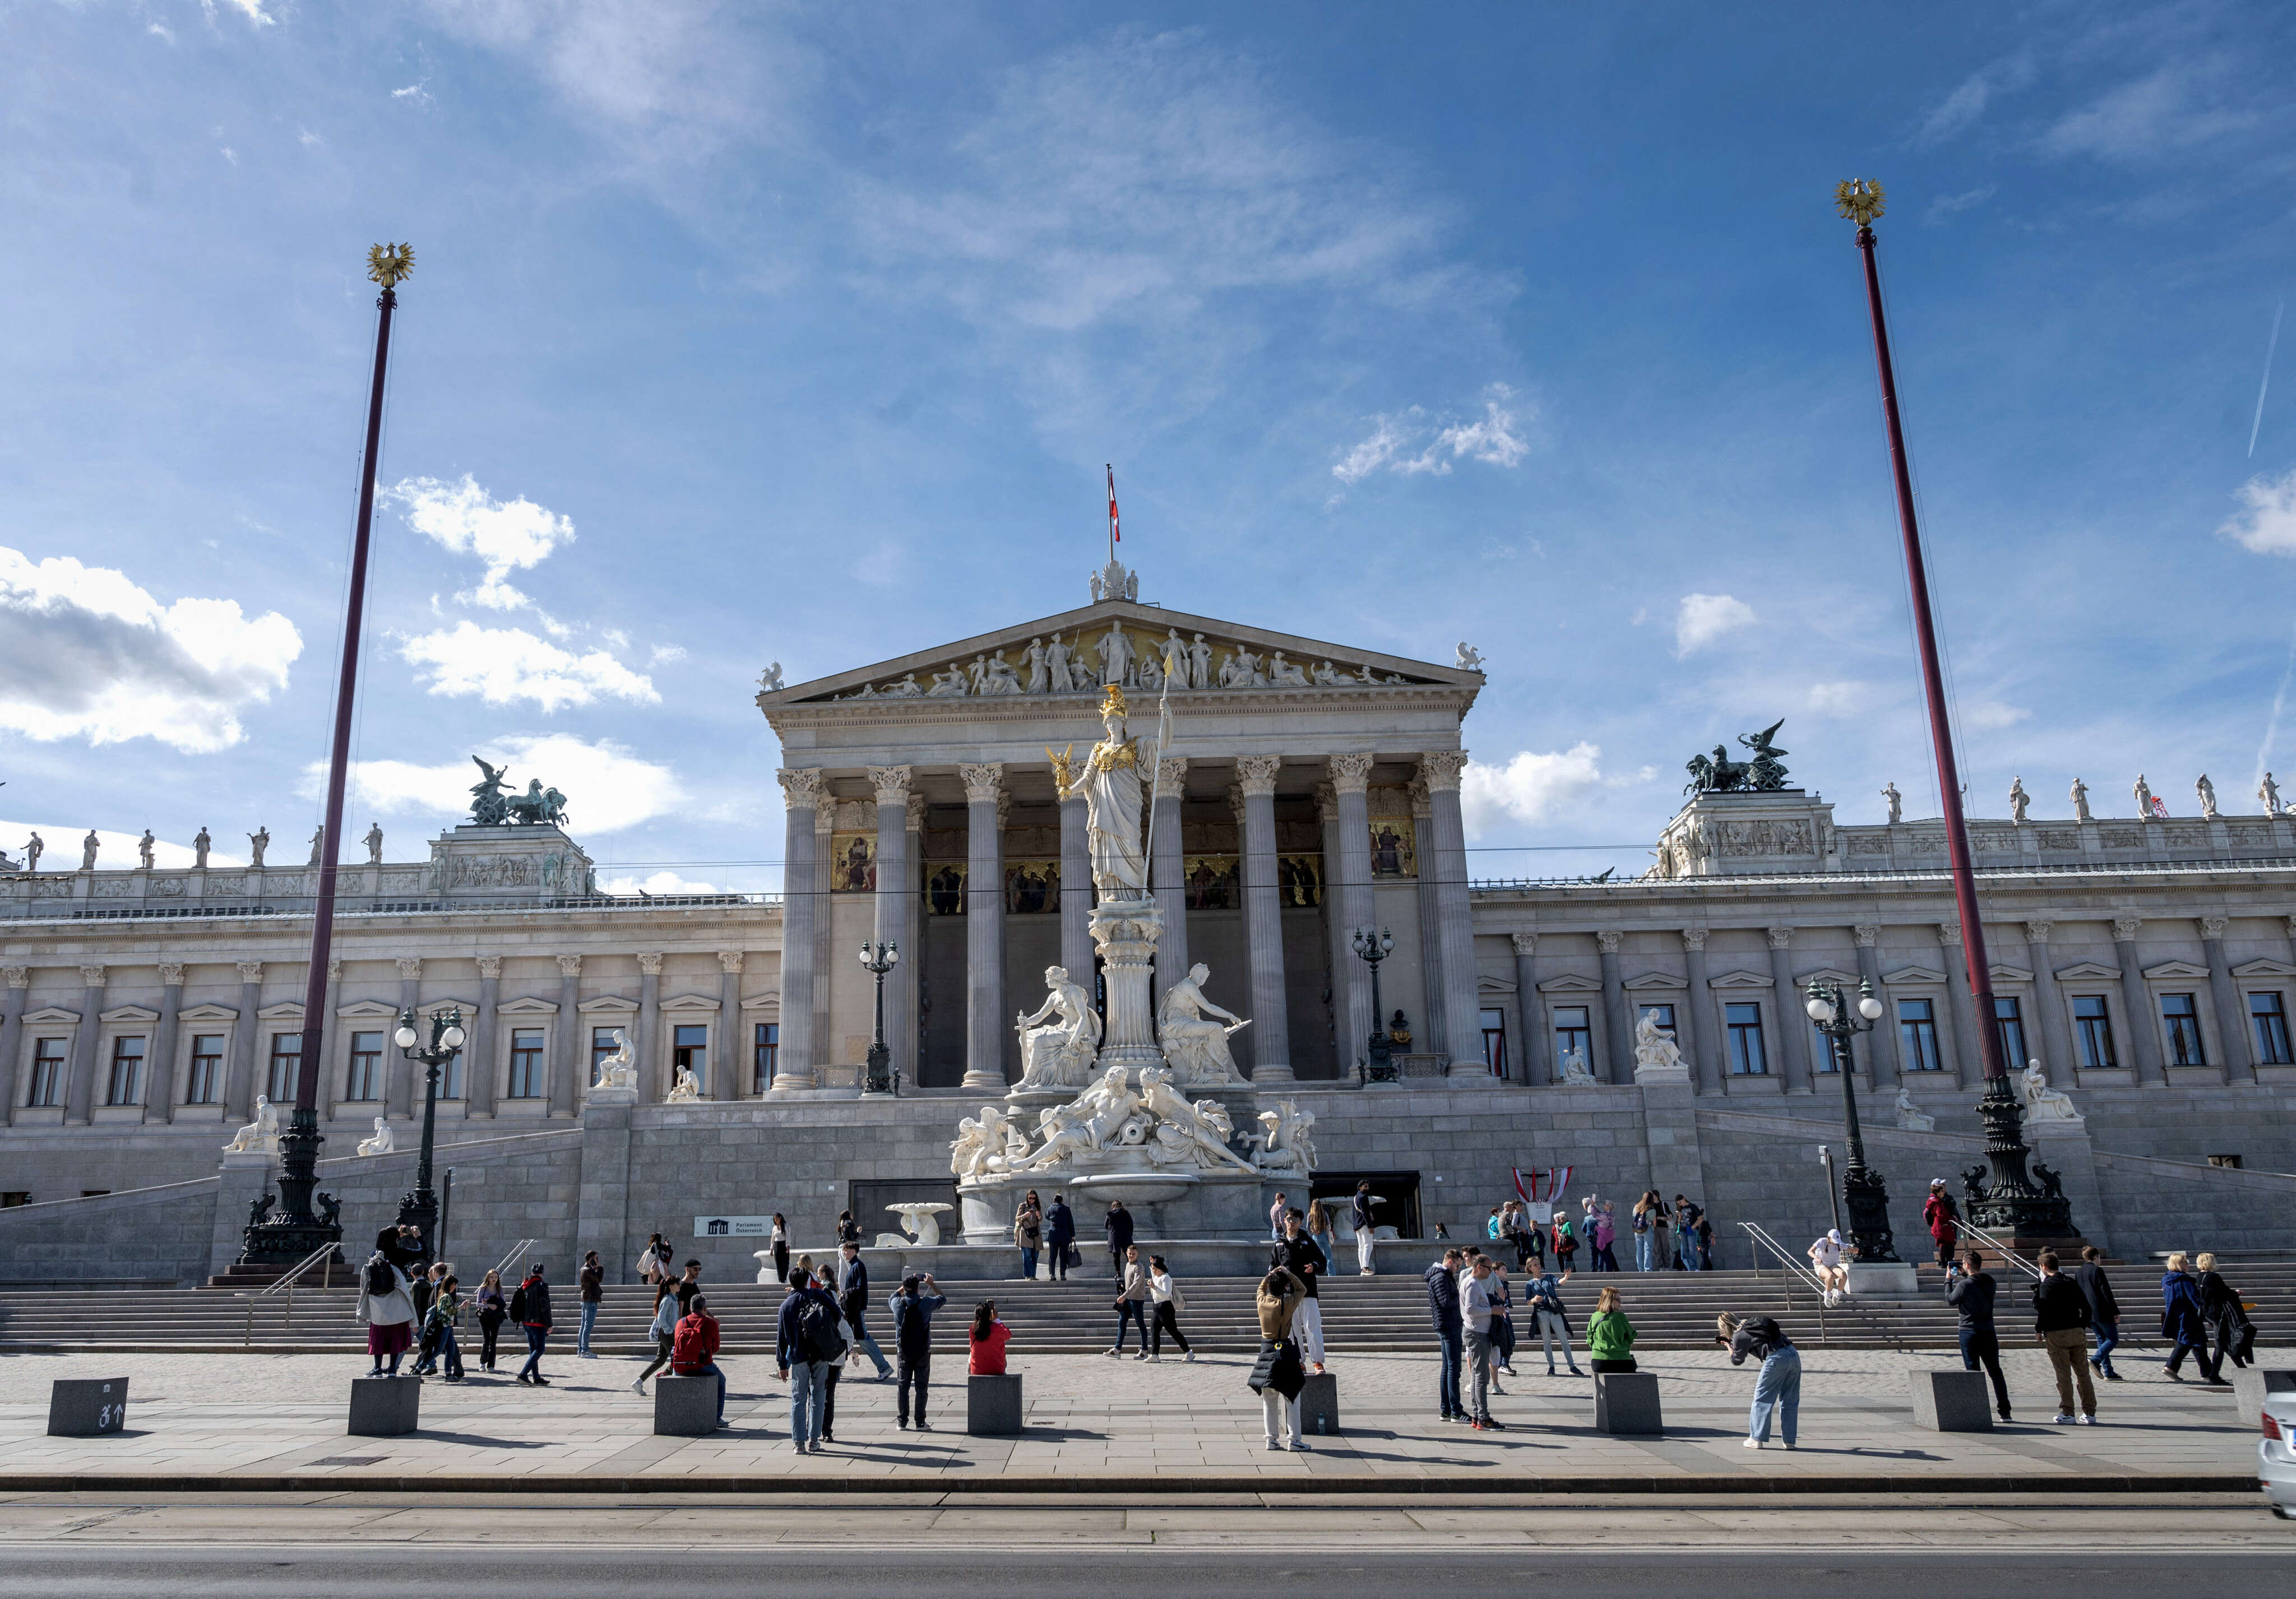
pixel 824 818
pixel 92 976
pixel 916 812
pixel 1440 770
pixel 731 960
pixel 648 965
pixel 802 786
pixel 2037 932
pixel 1949 934
pixel 891 783
pixel 570 965
pixel 410 967
pixel 2212 928
pixel 1172 777
pixel 2124 929
pixel 490 966
pixel 984 781
pixel 1608 941
pixel 1350 773
pixel 1423 802
pixel 249 971
pixel 1781 938
pixel 19 977
pixel 1694 939
pixel 1867 934
pixel 171 974
pixel 1525 943
pixel 1255 774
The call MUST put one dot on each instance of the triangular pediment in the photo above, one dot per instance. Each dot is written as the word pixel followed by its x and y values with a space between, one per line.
pixel 2087 971
pixel 2266 967
pixel 1913 974
pixel 1233 657
pixel 2177 969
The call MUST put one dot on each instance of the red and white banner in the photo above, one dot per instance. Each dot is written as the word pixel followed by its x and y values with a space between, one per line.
pixel 1115 529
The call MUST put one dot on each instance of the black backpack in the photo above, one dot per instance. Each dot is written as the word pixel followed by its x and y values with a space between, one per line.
pixel 379 1278
pixel 518 1304
pixel 816 1335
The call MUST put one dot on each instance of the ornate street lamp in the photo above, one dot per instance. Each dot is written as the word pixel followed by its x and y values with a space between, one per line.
pixel 1372 946
pixel 419 1209
pixel 879 1077
pixel 1863 1193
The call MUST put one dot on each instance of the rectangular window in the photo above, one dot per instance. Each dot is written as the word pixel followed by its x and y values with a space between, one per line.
pixel 1572 1036
pixel 526 1064
pixel 1743 1024
pixel 1495 1041
pixel 2093 1026
pixel 366 1080
pixel 2270 1020
pixel 450 1077
pixel 47 1073
pixel 286 1066
pixel 125 1085
pixel 689 1051
pixel 768 1050
pixel 1917 1037
pixel 602 1047
pixel 206 1085
pixel 14 1197
pixel 2009 1018
pixel 2181 1022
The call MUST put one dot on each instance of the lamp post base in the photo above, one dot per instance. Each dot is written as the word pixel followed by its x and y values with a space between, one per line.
pixel 1866 1204
pixel 295 1232
pixel 2010 1201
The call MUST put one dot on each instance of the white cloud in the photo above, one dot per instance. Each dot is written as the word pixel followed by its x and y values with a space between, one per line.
pixel 162 31
pixel 607 788
pixel 506 665
pixel 87 653
pixel 2268 523
pixel 1705 618
pixel 1963 108
pixel 665 654
pixel 61 845
pixel 1534 787
pixel 657 884
pixel 1953 205
pixel 1992 715
pixel 252 10
pixel 466 519
pixel 231 155
pixel 2146 117
pixel 1414 442
pixel 307 138
pixel 414 93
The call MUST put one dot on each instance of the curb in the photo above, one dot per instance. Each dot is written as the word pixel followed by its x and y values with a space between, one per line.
pixel 1148 1487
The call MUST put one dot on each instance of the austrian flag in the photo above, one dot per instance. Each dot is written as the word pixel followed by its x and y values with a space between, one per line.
pixel 1115 533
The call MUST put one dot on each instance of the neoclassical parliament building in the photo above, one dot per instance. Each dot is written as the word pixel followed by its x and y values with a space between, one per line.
pixel 1309 789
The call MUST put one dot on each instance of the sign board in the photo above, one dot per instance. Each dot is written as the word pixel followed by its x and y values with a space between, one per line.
pixel 1540 1212
pixel 733 1227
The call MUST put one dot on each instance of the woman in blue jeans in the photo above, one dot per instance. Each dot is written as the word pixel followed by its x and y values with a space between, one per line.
pixel 1778 1388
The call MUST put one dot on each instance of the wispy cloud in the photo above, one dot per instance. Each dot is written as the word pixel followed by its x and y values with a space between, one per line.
pixel 1702 618
pixel 1415 441
pixel 2266 523
pixel 2169 110
pixel 1953 205
pixel 1966 106
pixel 252 10
pixel 504 666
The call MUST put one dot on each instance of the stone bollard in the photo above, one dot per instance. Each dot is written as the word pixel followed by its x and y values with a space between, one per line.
pixel 1626 1402
pixel 2249 1385
pixel 87 1406
pixel 685 1406
pixel 992 1405
pixel 1951 1401
pixel 385 1407
pixel 1319 1406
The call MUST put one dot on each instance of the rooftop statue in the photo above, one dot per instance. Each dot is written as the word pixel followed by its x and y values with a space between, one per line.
pixel 491 806
pixel 1722 776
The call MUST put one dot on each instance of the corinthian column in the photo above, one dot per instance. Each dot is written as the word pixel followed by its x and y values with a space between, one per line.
pixel 1263 920
pixel 1348 898
pixel 802 793
pixel 1792 1021
pixel 1454 916
pixel 1168 868
pixel 160 1070
pixel 80 1087
pixel 1434 1037
pixel 984 928
pixel 897 884
pixel 12 1038
pixel 398 1070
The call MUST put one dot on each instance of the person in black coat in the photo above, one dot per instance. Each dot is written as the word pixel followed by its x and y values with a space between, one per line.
pixel 912 1310
pixel 1120 1237
pixel 2104 1310
pixel 2225 1315
pixel 1971 1294
pixel 1443 1311
pixel 1059 1233
pixel 2061 1322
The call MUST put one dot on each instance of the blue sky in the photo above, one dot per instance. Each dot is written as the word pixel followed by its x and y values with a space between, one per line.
pixel 801 333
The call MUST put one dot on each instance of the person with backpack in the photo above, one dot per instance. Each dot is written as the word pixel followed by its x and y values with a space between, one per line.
pixel 806 1337
pixel 530 1307
pixel 693 1350
pixel 913 1311
pixel 593 1284
pixel 388 1309
pixel 849 1231
pixel 1279 1375
pixel 662 1330
pixel 1170 1303
pixel 1060 1236
pixel 1777 1389
pixel 439 1324
pixel 492 1311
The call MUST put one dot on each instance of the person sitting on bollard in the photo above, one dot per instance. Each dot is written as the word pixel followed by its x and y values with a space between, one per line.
pixel 1777 1390
pixel 387 1310
pixel 986 1343
pixel 1279 1375
pixel 1609 1335
pixel 1826 1261
pixel 693 1350
pixel 663 1331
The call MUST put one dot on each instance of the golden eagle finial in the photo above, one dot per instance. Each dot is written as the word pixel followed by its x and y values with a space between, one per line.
pixel 1860 198
pixel 389 264
pixel 1113 701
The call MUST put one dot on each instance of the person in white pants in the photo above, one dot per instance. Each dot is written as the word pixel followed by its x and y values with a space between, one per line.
pixel 1360 1218
pixel 1305 1258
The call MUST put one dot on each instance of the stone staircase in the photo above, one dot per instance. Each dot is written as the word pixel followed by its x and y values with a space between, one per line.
pixel 1669 1310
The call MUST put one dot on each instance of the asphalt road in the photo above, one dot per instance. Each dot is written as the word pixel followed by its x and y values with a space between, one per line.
pixel 974 1572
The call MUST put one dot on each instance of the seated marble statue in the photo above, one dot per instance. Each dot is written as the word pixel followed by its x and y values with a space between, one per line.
pixel 1575 1071
pixel 1910 1115
pixel 1653 1045
pixel 1194 1044
pixel 684 1088
pixel 1284 1141
pixel 618 1070
pixel 261 1135
pixel 1060 1054
pixel 986 1143
pixel 382 1143
pixel 2043 1102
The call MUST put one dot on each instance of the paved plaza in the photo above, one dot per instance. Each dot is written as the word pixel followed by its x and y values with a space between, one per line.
pixel 1095 1423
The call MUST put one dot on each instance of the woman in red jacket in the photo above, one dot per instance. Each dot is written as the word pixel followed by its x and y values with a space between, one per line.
pixel 1944 1225
pixel 988 1338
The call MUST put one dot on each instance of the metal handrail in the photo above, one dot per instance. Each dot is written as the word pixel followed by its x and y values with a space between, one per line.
pixel 2001 1249
pixel 286 1285
pixel 1792 1271
pixel 517 1252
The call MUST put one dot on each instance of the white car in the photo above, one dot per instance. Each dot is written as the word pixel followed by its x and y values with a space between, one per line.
pixel 2275 1454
